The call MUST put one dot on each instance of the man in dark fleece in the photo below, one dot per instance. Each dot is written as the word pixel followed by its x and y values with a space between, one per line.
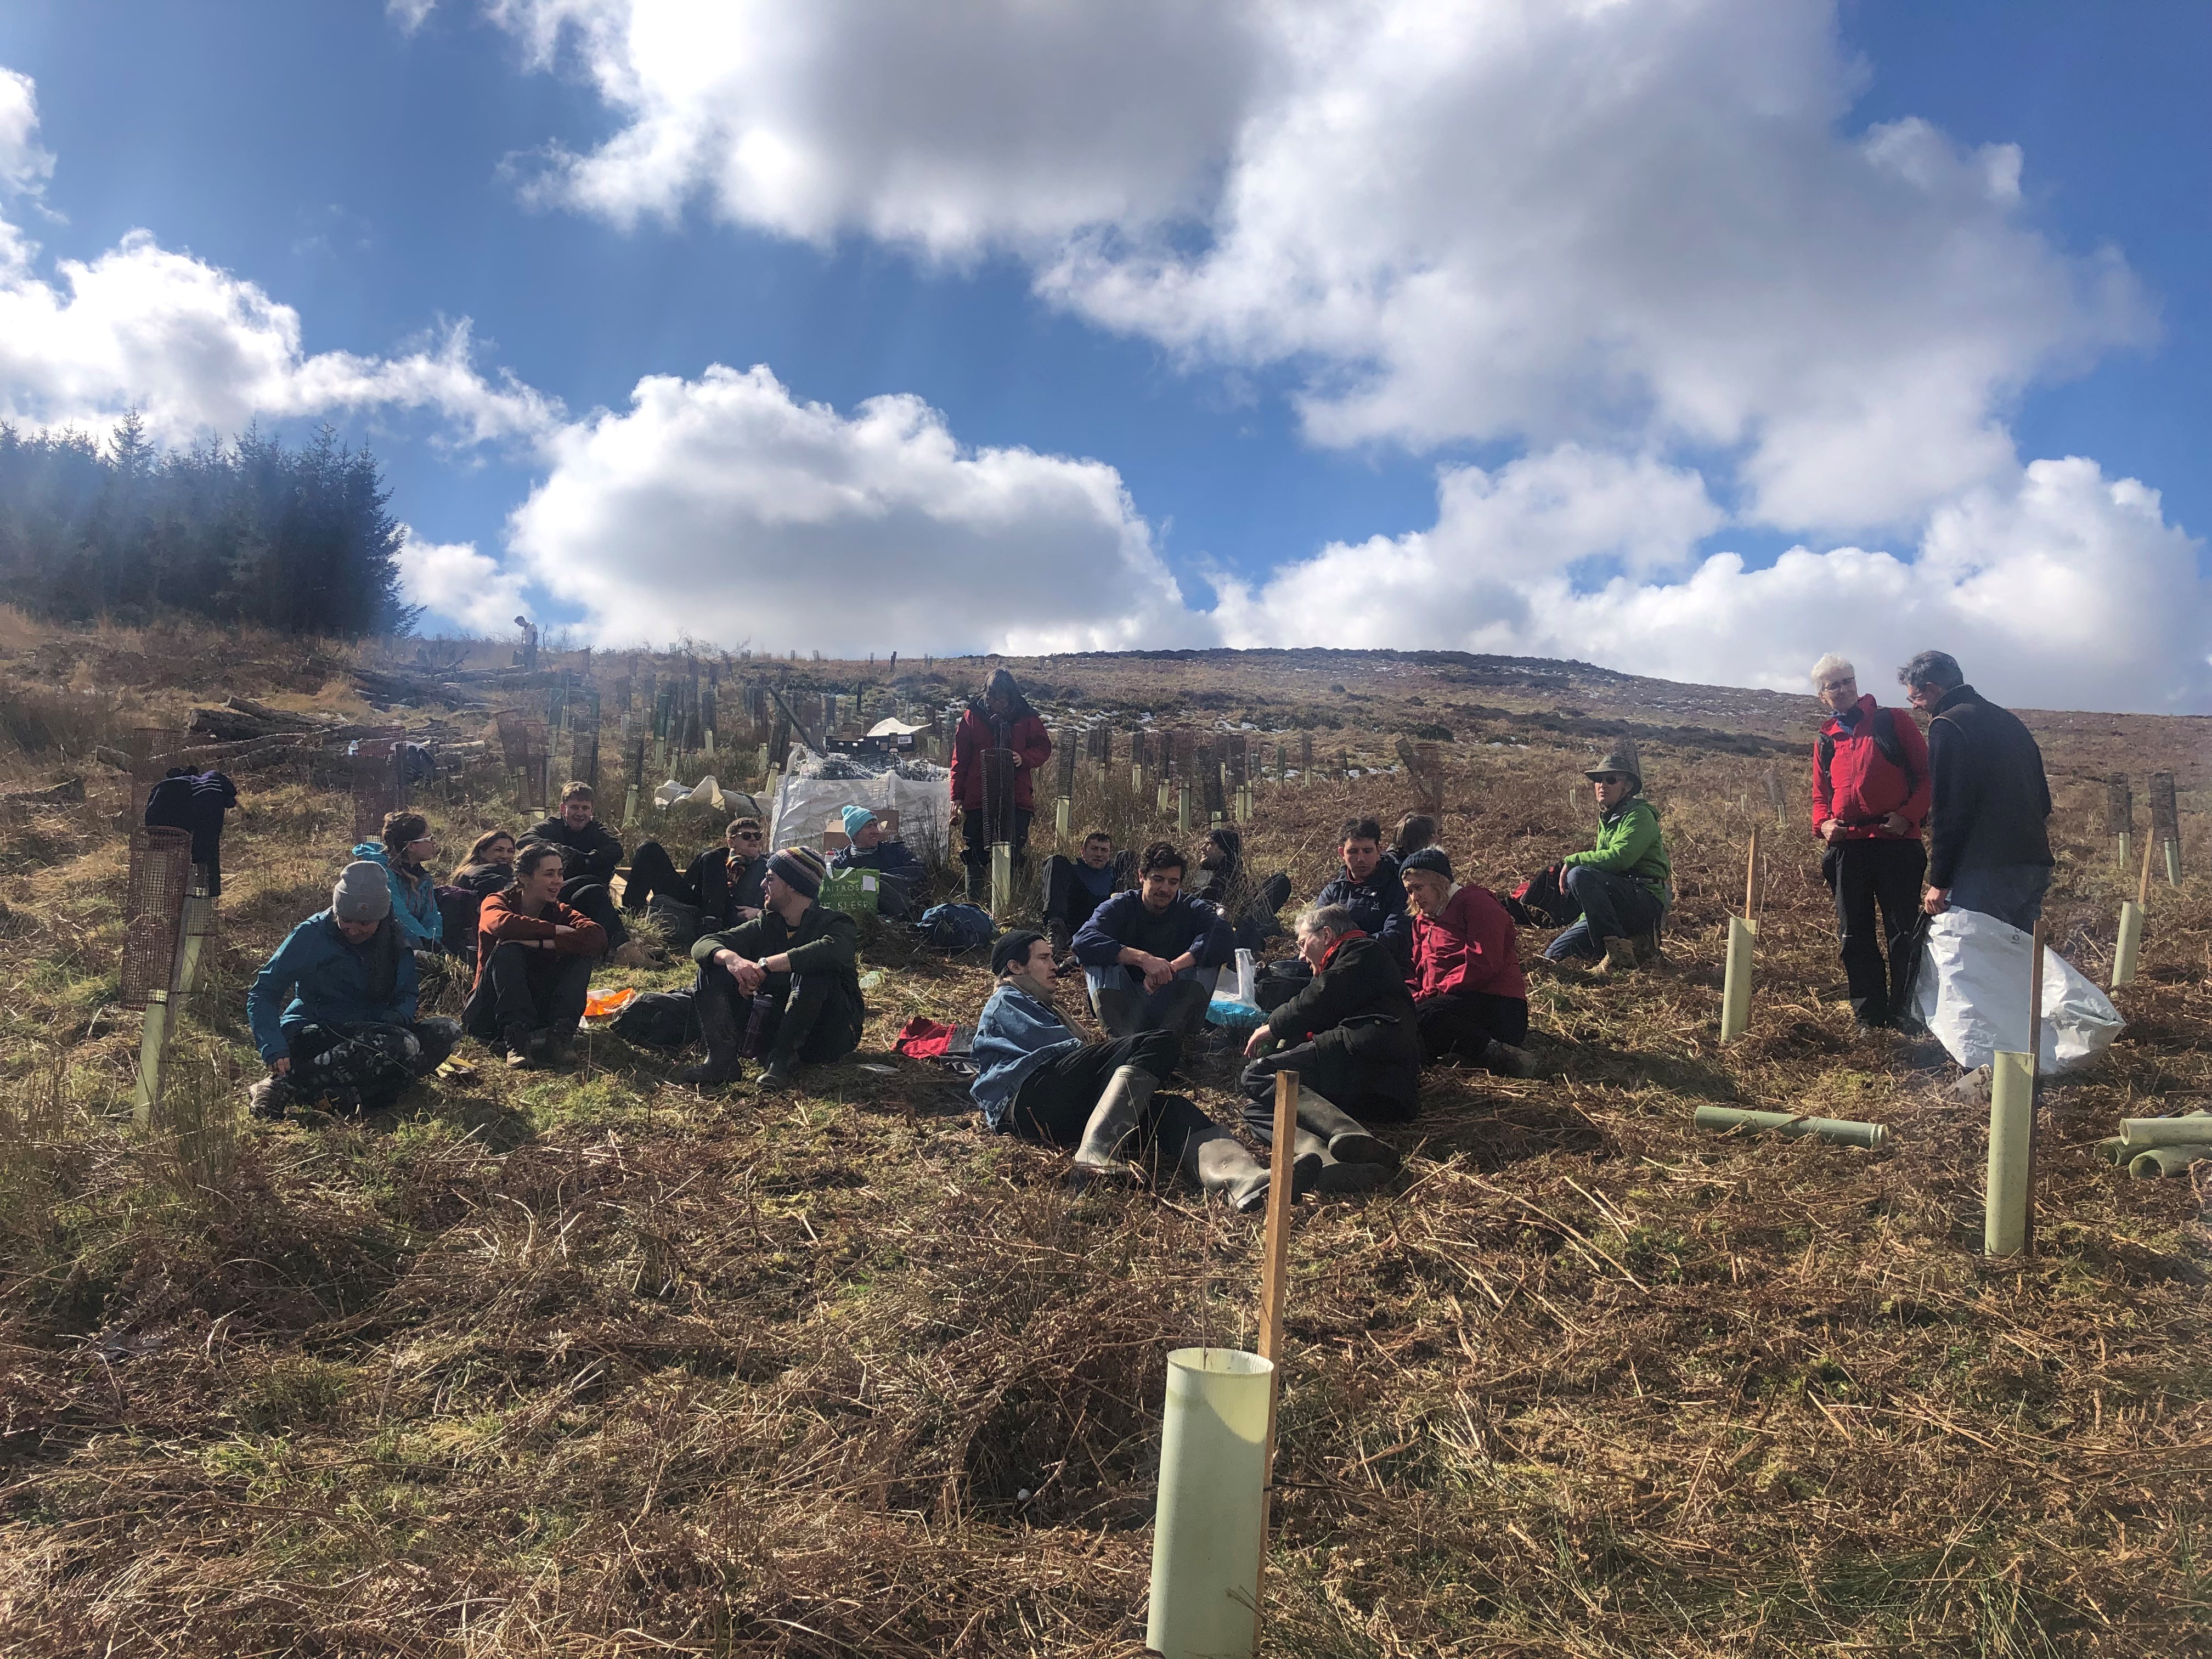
pixel 1075 887
pixel 1146 949
pixel 590 853
pixel 1368 886
pixel 1989 841
pixel 721 887
pixel 796 964
pixel 1353 1038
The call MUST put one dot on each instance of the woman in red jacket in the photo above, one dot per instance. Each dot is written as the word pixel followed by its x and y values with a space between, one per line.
pixel 1002 719
pixel 1469 992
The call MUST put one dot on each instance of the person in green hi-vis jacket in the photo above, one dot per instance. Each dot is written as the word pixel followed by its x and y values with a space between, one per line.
pixel 1613 897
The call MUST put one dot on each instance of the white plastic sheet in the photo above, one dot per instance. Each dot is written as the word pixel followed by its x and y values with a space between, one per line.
pixel 804 807
pixel 1972 996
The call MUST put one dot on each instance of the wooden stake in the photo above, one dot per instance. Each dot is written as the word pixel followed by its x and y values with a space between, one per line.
pixel 2034 1065
pixel 1751 879
pixel 2143 887
pixel 1274 1268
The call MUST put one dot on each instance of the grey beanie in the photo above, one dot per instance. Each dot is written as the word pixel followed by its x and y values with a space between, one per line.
pixel 363 892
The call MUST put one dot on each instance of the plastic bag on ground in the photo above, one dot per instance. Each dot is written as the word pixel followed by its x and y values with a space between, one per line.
pixel 1972 995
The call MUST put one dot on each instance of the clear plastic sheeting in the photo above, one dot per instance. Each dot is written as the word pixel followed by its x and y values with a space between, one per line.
pixel 814 792
pixel 1972 996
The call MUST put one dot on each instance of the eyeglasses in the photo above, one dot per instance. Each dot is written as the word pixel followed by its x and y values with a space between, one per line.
pixel 1837 685
pixel 746 835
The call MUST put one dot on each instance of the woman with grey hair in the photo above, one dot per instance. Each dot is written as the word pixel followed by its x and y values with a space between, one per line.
pixel 1353 1038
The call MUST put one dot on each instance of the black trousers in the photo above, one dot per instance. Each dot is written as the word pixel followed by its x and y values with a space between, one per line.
pixel 592 898
pixel 1865 875
pixel 976 833
pixel 1345 1079
pixel 522 985
pixel 1066 900
pixel 1054 1103
pixel 1465 1023
pixel 365 1068
pixel 813 1018
pixel 1127 1009
pixel 652 874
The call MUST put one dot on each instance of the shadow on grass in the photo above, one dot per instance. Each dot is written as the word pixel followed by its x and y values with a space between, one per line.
pixel 1495 1131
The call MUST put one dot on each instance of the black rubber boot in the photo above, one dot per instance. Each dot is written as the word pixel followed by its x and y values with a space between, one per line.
pixel 1108 1138
pixel 717 1023
pixel 1348 1139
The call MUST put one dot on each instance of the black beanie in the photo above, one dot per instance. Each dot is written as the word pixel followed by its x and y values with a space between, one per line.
pixel 1012 949
pixel 1426 857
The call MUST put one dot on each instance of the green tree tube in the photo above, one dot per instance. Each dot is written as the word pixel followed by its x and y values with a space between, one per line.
pixel 2138 1132
pixel 2012 1114
pixel 1735 990
pixel 2166 1161
pixel 1206 1531
pixel 1835 1131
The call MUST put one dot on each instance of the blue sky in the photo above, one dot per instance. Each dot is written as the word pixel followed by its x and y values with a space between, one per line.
pixel 1147 392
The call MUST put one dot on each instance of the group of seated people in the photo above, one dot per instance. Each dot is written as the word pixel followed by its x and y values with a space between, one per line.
pixel 1399 966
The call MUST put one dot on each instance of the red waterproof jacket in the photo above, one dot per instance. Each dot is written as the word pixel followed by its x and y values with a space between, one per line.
pixel 1469 948
pixel 1024 734
pixel 1854 781
pixel 496 925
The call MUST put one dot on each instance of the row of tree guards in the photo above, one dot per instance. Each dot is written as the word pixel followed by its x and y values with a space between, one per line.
pixel 2165 823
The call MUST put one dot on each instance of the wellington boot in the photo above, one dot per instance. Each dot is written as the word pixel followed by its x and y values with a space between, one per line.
pixel 1503 1060
pixel 1348 1139
pixel 717 1023
pixel 1108 1138
pixel 1062 940
pixel 1316 1171
pixel 1208 1156
pixel 1620 957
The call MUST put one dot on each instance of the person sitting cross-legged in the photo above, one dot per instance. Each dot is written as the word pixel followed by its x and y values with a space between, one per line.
pixel 899 874
pixel 1352 1037
pixel 590 854
pixel 1152 954
pixel 349 1035
pixel 1039 1079
pixel 795 967
pixel 534 956
pixel 1469 996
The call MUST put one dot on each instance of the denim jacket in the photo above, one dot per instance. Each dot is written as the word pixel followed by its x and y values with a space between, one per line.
pixel 1015 1034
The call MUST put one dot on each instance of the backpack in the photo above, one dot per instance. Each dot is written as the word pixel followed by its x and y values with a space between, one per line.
pixel 659 1019
pixel 957 926
pixel 1887 744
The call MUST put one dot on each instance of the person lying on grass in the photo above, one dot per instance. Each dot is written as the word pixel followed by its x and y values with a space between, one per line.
pixel 1610 900
pixel 721 889
pixel 786 984
pixel 1469 997
pixel 1350 1037
pixel 1039 1079
pixel 348 1036
pixel 534 959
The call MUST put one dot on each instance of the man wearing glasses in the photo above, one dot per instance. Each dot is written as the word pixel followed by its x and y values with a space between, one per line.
pixel 1871 786
pixel 721 889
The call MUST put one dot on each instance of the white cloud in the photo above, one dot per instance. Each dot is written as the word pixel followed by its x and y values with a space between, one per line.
pixel 24 166
pixel 722 508
pixel 1538 221
pixel 458 583
pixel 2055 587
pixel 409 14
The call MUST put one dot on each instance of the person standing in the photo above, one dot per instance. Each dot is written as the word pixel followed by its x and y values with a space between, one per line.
pixel 1988 835
pixel 1871 787
pixel 1001 719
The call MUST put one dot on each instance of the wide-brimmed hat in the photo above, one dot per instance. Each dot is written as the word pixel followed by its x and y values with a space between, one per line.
pixel 1621 758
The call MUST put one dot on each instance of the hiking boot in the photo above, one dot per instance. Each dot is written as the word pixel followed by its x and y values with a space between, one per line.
pixel 1619 957
pixel 717 1023
pixel 1506 1060
pixel 1063 940
pixel 1348 1139
pixel 1114 1121
pixel 1648 952
pixel 515 1039
pixel 778 1074
pixel 271 1098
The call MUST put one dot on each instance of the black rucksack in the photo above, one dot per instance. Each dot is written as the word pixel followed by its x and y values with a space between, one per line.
pixel 1887 744
pixel 659 1019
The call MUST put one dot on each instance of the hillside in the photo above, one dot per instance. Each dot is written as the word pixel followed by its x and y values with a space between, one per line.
pixel 591 1364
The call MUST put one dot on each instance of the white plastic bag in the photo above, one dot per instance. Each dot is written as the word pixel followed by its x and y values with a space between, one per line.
pixel 1972 996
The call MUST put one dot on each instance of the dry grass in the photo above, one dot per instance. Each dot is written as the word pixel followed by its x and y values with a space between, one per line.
pixel 591 1365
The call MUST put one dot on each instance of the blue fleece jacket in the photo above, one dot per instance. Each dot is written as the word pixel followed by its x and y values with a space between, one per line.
pixel 328 981
pixel 1187 924
pixel 1378 905
pixel 414 904
pixel 1015 1034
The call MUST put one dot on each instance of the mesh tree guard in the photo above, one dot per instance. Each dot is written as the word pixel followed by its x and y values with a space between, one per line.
pixel 160 875
pixel 1305 751
pixel 537 762
pixel 2164 810
pixel 999 774
pixel 1064 770
pixel 2119 805
pixel 1430 768
pixel 512 738
pixel 1140 749
pixel 584 750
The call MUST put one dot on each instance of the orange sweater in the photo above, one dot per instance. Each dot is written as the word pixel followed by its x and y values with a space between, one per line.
pixel 496 924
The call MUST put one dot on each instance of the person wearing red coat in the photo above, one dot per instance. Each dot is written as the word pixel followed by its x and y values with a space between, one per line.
pixel 1469 994
pixel 1001 719
pixel 534 959
pixel 1871 789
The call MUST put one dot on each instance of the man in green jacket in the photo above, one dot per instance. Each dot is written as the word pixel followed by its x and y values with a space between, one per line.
pixel 1614 895
pixel 786 984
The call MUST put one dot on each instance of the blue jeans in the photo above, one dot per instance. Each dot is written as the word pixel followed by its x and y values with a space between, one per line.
pixel 1606 906
pixel 2012 893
